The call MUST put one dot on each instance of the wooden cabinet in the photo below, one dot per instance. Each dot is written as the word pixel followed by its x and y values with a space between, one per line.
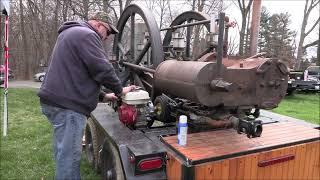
pixel 284 151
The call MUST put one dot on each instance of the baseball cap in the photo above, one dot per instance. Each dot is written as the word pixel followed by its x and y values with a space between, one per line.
pixel 103 17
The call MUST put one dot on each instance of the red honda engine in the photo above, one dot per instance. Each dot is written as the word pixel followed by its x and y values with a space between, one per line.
pixel 134 104
pixel 127 114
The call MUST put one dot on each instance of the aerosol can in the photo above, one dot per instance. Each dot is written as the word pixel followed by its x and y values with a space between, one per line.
pixel 182 130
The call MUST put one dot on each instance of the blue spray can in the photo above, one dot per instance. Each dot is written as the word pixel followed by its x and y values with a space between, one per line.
pixel 182 130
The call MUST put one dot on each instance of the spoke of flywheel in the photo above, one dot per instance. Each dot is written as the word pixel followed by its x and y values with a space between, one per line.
pixel 132 43
pixel 189 29
pixel 143 52
pixel 121 48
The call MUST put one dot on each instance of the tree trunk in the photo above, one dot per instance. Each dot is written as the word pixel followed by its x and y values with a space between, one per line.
pixel 255 23
pixel 300 46
pixel 25 55
pixel 318 53
pixel 85 9
pixel 242 34
pixel 196 41
pixel 303 34
pixel 65 8
pixel 244 13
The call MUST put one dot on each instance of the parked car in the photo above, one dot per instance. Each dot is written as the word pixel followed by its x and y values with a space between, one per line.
pixel 2 72
pixel 39 76
pixel 1 79
pixel 309 80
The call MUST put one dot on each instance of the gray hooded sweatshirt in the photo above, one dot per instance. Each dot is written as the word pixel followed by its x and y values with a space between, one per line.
pixel 78 67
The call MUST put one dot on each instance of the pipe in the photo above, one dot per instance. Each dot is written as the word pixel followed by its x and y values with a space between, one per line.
pixel 134 66
pixel 186 25
pixel 220 44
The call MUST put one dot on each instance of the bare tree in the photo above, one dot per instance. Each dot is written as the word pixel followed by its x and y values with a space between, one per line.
pixel 244 8
pixel 309 6
pixel 123 5
pixel 25 54
pixel 232 46
pixel 318 51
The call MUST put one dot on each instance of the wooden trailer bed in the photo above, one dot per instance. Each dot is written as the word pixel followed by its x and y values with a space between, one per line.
pixel 286 150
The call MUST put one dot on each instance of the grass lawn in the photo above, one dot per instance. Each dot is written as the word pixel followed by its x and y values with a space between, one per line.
pixel 301 106
pixel 26 153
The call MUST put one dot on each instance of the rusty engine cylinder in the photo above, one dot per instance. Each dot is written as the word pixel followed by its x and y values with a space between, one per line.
pixel 255 82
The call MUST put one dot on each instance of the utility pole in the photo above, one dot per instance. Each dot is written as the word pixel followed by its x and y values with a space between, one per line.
pixel 318 53
pixel 255 23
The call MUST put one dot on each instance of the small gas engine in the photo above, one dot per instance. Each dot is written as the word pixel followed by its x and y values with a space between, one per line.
pixel 135 106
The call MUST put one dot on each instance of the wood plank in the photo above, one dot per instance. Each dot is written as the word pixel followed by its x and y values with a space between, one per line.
pixel 312 160
pixel 240 168
pixel 208 171
pixel 233 168
pixel 302 162
pixel 297 162
pixel 261 170
pixel 279 166
pixel 316 167
pixel 225 169
pixel 267 169
pixel 200 172
pixel 285 166
pixel 273 168
pixel 173 168
pixel 291 164
pixel 247 167
pixel 307 162
pixel 254 166
pixel 217 168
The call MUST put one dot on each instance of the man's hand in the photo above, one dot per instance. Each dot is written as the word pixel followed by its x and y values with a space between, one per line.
pixel 109 97
pixel 127 89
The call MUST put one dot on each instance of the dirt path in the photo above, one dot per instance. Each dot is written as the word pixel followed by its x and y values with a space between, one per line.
pixel 24 84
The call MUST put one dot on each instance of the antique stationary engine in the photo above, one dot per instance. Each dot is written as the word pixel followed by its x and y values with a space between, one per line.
pixel 211 89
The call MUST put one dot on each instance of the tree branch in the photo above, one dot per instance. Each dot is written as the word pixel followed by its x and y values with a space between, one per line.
pixel 314 25
pixel 249 5
pixel 240 5
pixel 313 4
pixel 311 44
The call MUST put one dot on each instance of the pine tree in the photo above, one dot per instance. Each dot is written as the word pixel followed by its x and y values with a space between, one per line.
pixel 264 30
pixel 275 37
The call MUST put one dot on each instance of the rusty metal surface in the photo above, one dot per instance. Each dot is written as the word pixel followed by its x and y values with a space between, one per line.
pixel 257 82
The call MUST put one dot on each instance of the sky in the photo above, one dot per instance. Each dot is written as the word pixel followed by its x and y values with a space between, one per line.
pixel 293 7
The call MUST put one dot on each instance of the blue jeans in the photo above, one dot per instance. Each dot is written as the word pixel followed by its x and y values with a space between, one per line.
pixel 68 128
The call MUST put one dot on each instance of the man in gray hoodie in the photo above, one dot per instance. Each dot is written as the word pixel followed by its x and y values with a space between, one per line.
pixel 71 89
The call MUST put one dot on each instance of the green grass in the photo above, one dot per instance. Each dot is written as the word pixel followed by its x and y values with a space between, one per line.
pixel 301 106
pixel 26 153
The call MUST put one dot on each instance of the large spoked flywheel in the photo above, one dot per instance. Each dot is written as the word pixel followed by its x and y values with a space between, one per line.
pixel 138 43
pixel 189 17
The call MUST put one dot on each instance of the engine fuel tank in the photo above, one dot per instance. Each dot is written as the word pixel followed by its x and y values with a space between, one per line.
pixel 256 82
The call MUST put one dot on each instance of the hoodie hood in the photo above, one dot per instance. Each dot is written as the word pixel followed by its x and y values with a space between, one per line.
pixel 70 24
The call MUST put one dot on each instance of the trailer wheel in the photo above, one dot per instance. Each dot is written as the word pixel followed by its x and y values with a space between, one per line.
pixel 91 144
pixel 111 166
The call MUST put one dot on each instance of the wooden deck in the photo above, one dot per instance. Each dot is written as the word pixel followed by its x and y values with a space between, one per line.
pixel 284 151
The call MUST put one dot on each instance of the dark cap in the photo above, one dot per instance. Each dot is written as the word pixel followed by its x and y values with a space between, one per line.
pixel 103 17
